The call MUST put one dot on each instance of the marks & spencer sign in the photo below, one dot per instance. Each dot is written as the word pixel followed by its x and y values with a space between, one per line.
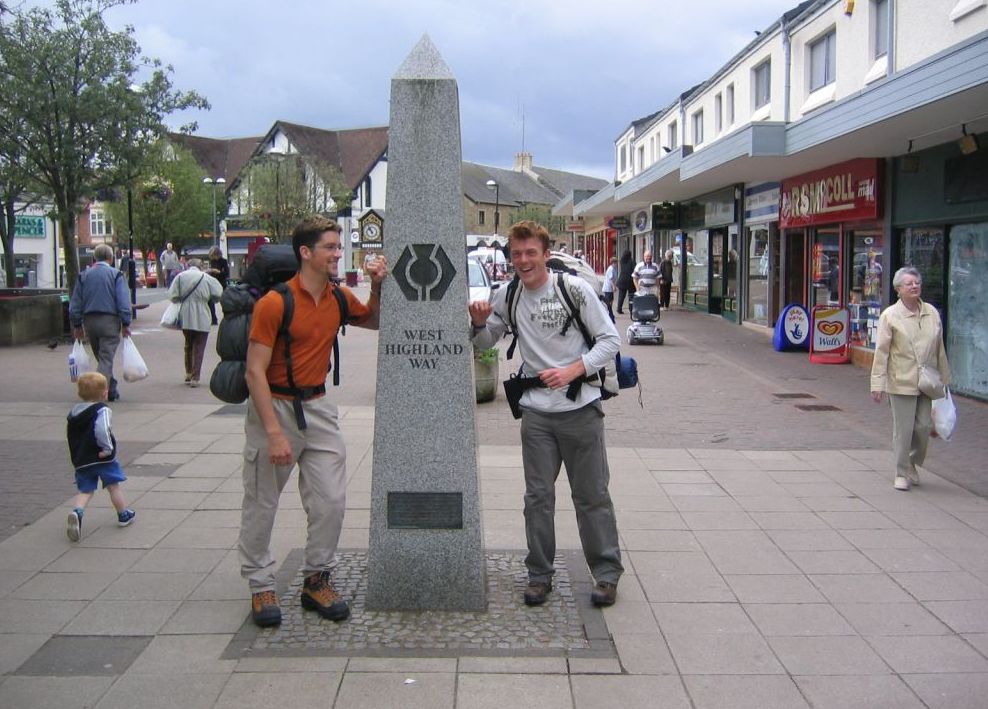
pixel 850 191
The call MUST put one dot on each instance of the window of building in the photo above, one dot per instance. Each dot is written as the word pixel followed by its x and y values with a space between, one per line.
pixel 481 217
pixel 99 223
pixel 762 83
pixel 673 137
pixel 623 158
pixel 729 95
pixel 367 192
pixel 718 114
pixel 823 61
pixel 641 158
pixel 698 127
pixel 881 28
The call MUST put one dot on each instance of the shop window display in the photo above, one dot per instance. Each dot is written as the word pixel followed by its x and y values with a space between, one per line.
pixel 867 277
pixel 967 336
pixel 696 267
pixel 758 266
pixel 825 269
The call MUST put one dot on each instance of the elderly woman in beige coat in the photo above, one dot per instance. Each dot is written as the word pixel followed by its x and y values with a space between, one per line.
pixel 195 290
pixel 909 334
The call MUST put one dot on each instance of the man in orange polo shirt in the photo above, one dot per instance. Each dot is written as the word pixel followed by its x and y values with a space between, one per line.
pixel 275 441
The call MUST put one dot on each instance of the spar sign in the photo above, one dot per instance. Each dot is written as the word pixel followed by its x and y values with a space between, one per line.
pixel 830 328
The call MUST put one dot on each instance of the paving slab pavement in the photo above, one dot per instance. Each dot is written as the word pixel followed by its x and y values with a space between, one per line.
pixel 757 575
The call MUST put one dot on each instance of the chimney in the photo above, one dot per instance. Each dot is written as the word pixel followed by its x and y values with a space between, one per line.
pixel 523 163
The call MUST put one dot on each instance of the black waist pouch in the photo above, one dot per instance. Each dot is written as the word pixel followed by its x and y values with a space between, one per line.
pixel 514 387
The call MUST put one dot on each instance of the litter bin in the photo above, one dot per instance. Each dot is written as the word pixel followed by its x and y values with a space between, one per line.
pixel 351 279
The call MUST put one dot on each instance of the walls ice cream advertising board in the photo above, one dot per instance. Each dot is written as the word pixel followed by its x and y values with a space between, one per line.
pixel 828 344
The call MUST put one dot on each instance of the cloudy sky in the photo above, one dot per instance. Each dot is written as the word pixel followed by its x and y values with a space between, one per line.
pixel 579 71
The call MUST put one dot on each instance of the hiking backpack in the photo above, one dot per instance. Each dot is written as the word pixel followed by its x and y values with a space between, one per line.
pixel 272 266
pixel 622 373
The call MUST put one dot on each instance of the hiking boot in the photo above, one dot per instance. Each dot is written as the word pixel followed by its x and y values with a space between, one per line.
pixel 264 609
pixel 125 517
pixel 319 595
pixel 604 594
pixel 536 592
pixel 74 527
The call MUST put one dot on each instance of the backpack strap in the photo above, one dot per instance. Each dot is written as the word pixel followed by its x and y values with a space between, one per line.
pixel 511 300
pixel 344 317
pixel 563 289
pixel 288 311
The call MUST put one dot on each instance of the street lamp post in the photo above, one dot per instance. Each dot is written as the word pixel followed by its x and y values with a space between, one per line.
pixel 491 184
pixel 216 222
pixel 131 266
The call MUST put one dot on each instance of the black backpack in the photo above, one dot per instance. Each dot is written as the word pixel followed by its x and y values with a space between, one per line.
pixel 272 266
pixel 622 374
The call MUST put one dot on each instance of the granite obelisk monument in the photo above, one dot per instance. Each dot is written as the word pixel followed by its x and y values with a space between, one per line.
pixel 426 544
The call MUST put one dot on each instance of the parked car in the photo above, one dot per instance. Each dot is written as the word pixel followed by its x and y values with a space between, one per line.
pixel 478 280
pixel 566 262
pixel 149 280
pixel 493 260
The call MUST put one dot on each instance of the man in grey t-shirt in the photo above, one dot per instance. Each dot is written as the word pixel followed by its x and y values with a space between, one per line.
pixel 555 428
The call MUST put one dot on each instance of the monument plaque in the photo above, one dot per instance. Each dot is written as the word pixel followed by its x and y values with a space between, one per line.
pixel 426 546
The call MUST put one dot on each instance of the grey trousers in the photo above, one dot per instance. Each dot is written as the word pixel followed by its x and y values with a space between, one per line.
pixel 911 425
pixel 320 454
pixel 103 332
pixel 575 438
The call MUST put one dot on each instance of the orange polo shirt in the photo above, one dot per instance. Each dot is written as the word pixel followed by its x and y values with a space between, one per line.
pixel 313 330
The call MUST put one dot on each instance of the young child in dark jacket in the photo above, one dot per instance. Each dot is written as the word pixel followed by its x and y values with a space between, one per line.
pixel 94 452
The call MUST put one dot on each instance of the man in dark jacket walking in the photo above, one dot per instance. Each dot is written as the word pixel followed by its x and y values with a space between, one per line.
pixel 625 282
pixel 100 309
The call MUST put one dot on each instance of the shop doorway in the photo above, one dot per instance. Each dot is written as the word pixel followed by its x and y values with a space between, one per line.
pixel 718 246
pixel 792 285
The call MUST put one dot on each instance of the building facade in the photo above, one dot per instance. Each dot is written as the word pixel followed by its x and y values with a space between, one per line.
pixel 846 140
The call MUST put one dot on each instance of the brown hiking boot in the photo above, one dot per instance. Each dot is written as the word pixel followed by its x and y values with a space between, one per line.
pixel 536 592
pixel 604 594
pixel 264 609
pixel 319 595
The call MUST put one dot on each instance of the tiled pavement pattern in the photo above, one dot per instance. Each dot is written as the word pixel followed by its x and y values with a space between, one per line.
pixel 758 575
pixel 755 578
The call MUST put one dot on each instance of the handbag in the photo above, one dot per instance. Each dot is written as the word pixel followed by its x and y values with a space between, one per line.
pixel 930 382
pixel 171 319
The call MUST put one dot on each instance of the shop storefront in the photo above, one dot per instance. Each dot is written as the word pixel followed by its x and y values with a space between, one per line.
pixel 709 257
pixel 761 249
pixel 622 231
pixel 834 245
pixel 600 244
pixel 940 227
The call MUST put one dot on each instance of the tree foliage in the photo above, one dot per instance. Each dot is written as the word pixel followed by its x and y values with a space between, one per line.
pixel 169 200
pixel 281 189
pixel 70 106
pixel 542 214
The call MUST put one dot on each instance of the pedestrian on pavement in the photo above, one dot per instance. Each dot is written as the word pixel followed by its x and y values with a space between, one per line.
pixel 646 275
pixel 556 428
pixel 610 284
pixel 665 280
pixel 910 335
pixel 100 310
pixel 93 450
pixel 170 264
pixel 196 291
pixel 625 282
pixel 279 437
pixel 219 268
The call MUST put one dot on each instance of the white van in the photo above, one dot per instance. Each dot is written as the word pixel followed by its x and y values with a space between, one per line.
pixel 488 257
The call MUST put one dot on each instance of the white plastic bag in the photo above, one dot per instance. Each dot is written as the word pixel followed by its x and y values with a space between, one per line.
pixel 78 361
pixel 134 368
pixel 171 319
pixel 944 416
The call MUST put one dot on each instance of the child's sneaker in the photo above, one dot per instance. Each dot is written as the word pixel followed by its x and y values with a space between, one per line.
pixel 126 517
pixel 74 527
